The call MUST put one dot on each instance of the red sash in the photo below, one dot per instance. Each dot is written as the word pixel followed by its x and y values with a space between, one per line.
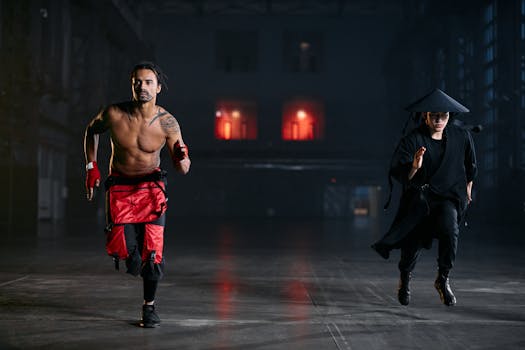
pixel 133 201
pixel 138 203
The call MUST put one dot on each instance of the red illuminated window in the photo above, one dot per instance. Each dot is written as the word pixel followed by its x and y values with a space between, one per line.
pixel 235 120
pixel 303 120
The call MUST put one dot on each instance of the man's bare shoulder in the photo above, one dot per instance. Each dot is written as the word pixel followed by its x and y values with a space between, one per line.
pixel 168 122
pixel 110 116
pixel 119 110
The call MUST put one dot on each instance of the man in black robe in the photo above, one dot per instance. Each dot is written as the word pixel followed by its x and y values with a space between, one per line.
pixel 436 165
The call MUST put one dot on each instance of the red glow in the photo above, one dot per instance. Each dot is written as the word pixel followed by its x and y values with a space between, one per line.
pixel 227 132
pixel 295 130
pixel 236 120
pixel 225 290
pixel 303 120
pixel 226 283
pixel 296 290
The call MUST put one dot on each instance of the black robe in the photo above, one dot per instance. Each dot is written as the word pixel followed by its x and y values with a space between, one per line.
pixel 457 168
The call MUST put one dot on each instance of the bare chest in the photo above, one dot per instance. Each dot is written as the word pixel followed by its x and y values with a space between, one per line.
pixel 137 135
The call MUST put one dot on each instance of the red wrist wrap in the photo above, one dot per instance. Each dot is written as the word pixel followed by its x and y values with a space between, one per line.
pixel 92 176
pixel 180 152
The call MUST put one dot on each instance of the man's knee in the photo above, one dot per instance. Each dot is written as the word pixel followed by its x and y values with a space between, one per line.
pixel 134 263
pixel 152 271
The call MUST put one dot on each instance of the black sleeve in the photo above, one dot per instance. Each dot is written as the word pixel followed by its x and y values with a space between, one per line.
pixel 471 168
pixel 402 161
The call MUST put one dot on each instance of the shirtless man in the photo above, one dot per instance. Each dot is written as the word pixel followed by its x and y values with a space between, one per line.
pixel 139 129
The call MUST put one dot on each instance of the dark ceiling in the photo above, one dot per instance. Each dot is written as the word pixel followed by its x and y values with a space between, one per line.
pixel 271 7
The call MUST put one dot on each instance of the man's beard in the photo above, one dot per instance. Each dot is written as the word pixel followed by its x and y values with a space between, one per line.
pixel 144 96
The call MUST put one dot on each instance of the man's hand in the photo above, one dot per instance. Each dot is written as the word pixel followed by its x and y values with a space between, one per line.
pixel 417 163
pixel 180 152
pixel 92 179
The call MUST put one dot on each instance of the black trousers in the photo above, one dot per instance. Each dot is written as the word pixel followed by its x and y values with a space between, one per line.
pixel 151 273
pixel 441 223
pixel 134 234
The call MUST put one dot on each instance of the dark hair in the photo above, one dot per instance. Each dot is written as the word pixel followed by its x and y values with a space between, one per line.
pixel 161 77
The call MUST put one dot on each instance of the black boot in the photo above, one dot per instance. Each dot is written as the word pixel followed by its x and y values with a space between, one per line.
pixel 442 285
pixel 403 293
pixel 150 319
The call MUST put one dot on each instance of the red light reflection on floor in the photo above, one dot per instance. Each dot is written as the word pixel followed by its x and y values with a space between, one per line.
pixel 296 293
pixel 225 280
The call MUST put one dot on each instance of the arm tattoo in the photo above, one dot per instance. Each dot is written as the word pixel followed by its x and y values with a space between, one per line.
pixel 170 125
pixel 158 115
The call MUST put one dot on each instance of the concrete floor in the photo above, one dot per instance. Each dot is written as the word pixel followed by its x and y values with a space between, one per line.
pixel 272 284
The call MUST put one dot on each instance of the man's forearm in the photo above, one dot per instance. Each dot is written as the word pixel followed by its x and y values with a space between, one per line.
pixel 90 145
pixel 183 166
pixel 469 186
pixel 469 191
pixel 412 172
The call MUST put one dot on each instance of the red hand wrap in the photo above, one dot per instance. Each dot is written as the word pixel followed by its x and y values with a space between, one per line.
pixel 92 176
pixel 180 152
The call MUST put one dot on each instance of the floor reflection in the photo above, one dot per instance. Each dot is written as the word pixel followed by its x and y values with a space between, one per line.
pixel 265 284
pixel 225 279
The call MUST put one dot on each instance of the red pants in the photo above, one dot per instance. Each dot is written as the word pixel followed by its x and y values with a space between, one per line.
pixel 135 215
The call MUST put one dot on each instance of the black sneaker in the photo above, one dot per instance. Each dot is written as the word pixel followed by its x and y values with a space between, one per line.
pixel 150 319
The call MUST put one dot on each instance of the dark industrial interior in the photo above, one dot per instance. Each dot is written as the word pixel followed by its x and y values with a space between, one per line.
pixel 291 110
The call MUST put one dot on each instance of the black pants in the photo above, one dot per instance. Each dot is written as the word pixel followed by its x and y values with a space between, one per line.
pixel 134 234
pixel 151 273
pixel 442 223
